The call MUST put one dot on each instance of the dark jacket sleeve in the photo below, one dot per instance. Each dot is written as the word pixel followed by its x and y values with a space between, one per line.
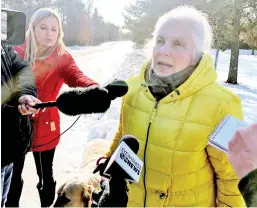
pixel 248 187
pixel 23 78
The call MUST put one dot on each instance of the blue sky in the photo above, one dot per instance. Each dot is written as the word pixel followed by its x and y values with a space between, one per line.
pixel 111 10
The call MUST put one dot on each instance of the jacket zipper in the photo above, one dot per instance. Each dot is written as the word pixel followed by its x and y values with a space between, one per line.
pixel 147 136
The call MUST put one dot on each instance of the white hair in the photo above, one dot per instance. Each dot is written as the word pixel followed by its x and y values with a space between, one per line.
pixel 201 30
pixel 31 43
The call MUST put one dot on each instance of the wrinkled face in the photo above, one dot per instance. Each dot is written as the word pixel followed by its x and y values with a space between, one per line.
pixel 173 50
pixel 46 31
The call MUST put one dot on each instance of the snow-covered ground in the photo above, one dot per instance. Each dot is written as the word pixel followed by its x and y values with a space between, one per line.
pixel 120 60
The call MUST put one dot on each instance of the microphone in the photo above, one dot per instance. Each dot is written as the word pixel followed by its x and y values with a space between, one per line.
pixel 131 141
pixel 93 99
pixel 117 88
pixel 123 165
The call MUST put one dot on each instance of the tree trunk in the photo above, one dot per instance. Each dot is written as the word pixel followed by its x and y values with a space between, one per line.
pixel 216 58
pixel 252 51
pixel 92 40
pixel 233 68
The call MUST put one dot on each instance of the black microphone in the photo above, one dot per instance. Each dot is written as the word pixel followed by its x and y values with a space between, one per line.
pixel 131 141
pixel 117 88
pixel 115 170
pixel 93 99
pixel 114 191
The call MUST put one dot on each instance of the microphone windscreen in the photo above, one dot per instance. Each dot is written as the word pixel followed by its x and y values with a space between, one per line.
pixel 93 99
pixel 132 142
pixel 117 88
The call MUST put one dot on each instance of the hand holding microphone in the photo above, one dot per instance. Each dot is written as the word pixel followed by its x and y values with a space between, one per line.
pixel 114 191
pixel 132 143
pixel 93 99
pixel 26 103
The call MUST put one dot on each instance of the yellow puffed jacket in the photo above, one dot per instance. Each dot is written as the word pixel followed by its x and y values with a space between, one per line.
pixel 181 169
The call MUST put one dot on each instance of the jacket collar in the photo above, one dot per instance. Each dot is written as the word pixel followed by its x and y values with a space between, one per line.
pixel 203 76
pixel 51 60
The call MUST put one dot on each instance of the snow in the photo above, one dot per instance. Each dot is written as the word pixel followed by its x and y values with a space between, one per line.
pixel 121 60
pixel 242 52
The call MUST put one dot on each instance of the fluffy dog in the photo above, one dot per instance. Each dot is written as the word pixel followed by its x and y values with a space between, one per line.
pixel 77 191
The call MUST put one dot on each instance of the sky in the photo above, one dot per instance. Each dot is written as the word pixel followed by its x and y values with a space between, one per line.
pixel 111 10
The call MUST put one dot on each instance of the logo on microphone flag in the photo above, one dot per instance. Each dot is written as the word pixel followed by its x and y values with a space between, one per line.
pixel 128 161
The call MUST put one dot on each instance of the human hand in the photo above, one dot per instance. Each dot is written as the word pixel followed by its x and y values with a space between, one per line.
pixel 242 150
pixel 26 103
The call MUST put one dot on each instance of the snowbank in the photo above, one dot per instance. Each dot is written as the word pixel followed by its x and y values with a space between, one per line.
pixel 107 126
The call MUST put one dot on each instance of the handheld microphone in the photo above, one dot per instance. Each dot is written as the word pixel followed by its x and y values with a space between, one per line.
pixel 124 162
pixel 117 88
pixel 131 141
pixel 93 99
pixel 122 166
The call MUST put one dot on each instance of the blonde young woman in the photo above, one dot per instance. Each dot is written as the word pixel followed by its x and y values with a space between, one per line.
pixel 52 66
pixel 172 106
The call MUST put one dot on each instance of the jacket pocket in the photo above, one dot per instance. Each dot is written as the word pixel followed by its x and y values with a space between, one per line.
pixel 136 195
pixel 156 198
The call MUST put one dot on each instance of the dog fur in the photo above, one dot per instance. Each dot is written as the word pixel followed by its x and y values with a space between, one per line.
pixel 77 191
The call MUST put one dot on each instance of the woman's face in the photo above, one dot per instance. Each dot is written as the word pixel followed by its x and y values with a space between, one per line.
pixel 173 50
pixel 46 31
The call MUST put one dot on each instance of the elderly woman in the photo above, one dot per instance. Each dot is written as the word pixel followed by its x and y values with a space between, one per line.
pixel 172 106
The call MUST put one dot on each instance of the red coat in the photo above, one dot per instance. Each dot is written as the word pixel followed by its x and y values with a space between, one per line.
pixel 50 74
